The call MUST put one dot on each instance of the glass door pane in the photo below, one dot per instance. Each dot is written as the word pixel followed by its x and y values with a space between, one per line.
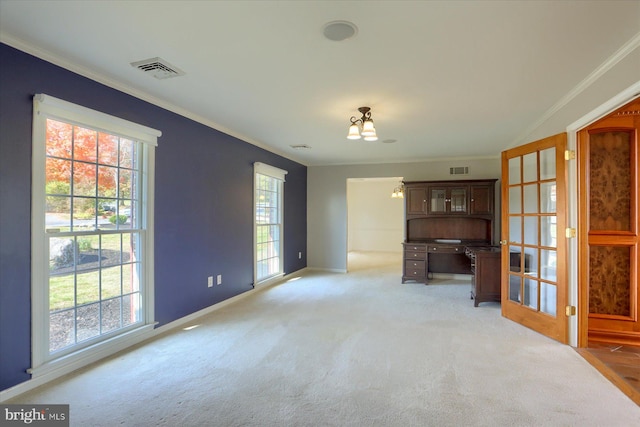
pixel 458 200
pixel 532 232
pixel 547 257
pixel 515 230
pixel 437 197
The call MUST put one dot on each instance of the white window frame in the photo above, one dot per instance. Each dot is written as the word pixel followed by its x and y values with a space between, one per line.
pixel 278 174
pixel 44 364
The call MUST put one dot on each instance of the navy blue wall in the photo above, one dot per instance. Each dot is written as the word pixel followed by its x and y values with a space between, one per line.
pixel 203 202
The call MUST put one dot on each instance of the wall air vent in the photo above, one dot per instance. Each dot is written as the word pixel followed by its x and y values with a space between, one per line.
pixel 460 170
pixel 158 68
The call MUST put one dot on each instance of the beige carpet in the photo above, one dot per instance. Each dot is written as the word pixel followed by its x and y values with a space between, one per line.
pixel 357 349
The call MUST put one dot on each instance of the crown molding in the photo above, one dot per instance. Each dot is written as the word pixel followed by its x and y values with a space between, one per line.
pixel 602 69
pixel 405 161
pixel 144 96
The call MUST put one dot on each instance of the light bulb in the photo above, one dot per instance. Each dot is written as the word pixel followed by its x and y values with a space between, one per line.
pixel 368 129
pixel 354 132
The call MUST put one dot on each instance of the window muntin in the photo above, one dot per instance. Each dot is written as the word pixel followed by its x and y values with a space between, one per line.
pixel 92 190
pixel 92 174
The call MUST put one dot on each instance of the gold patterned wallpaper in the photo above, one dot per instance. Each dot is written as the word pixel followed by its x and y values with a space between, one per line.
pixel 610 186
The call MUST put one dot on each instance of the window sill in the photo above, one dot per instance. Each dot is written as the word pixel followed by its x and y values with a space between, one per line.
pixel 270 281
pixel 68 363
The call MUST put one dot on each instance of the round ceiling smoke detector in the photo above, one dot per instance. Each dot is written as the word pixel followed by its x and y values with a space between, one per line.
pixel 338 31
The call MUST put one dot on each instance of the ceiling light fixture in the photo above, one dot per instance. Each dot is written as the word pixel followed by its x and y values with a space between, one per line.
pixel 362 127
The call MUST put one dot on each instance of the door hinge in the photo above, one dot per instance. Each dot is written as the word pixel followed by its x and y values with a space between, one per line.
pixel 569 154
pixel 570 310
pixel 570 233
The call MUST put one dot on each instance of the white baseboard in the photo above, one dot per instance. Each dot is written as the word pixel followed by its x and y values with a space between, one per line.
pixel 121 345
pixel 450 276
pixel 328 270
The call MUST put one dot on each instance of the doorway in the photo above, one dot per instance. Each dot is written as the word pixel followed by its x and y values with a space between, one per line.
pixel 609 249
pixel 374 218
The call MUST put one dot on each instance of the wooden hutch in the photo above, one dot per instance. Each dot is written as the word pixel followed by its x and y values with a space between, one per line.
pixel 442 218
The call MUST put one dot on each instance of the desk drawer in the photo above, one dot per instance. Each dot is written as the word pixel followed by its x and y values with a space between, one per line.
pixel 408 255
pixel 415 272
pixel 414 265
pixel 408 247
pixel 445 249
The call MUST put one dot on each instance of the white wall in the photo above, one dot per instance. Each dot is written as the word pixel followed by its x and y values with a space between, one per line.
pixel 326 185
pixel 327 200
pixel 374 219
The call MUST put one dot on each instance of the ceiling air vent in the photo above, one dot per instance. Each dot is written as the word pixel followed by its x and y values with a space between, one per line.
pixel 158 68
pixel 300 147
pixel 460 170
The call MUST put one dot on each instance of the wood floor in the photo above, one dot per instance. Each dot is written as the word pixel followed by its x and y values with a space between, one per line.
pixel 619 363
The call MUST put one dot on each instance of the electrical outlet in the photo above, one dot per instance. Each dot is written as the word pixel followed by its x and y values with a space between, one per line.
pixel 210 281
pixel 299 255
pixel 219 279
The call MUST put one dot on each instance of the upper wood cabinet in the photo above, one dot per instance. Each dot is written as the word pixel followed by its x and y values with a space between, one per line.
pixel 450 198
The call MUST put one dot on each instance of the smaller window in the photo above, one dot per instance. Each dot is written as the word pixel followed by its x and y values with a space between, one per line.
pixel 268 214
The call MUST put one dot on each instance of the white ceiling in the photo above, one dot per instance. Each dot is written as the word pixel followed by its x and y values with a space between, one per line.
pixel 443 79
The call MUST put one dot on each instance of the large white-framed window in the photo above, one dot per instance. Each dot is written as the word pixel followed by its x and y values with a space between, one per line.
pixel 268 216
pixel 92 233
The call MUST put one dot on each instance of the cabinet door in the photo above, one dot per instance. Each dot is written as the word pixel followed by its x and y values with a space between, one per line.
pixel 481 200
pixel 458 200
pixel 416 200
pixel 448 200
pixel 438 200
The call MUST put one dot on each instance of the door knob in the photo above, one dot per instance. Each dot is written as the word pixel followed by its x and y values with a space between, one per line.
pixel 503 242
